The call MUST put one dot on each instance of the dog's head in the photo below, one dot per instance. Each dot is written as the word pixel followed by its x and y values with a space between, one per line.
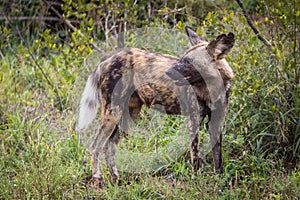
pixel 203 60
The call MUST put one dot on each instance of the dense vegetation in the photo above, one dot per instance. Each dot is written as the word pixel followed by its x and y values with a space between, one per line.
pixel 46 52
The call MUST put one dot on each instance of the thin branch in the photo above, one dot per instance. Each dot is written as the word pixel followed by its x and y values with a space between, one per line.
pixel 68 23
pixel 1 55
pixel 24 18
pixel 249 20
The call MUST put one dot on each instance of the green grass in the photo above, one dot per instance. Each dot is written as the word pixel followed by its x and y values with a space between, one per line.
pixel 41 156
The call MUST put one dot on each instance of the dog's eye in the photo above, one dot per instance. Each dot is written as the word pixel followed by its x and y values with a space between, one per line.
pixel 186 61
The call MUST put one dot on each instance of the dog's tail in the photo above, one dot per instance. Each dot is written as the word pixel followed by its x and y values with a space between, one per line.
pixel 90 101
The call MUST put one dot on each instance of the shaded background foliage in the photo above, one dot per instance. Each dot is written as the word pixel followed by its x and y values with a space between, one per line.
pixel 46 56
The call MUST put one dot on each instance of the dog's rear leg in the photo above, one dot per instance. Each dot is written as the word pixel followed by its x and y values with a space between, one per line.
pixel 110 152
pixel 105 130
pixel 112 142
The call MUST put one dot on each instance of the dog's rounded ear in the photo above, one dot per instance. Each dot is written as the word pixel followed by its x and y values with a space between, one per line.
pixel 195 38
pixel 221 46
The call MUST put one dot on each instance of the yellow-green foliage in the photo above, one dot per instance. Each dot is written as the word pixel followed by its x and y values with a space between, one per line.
pixel 42 76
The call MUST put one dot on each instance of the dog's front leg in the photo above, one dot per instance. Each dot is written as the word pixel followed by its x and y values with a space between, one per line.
pixel 214 126
pixel 194 126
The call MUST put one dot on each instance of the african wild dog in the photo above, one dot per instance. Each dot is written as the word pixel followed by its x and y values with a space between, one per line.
pixel 197 85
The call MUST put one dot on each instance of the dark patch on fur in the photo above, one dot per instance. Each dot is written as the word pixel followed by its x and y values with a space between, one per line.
pixel 150 59
pixel 91 103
